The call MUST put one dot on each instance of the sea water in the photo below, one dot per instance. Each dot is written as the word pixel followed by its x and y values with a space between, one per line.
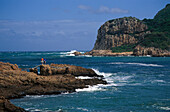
pixel 136 84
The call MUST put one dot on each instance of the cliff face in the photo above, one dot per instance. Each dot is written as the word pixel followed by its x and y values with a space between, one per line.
pixel 129 34
pixel 117 32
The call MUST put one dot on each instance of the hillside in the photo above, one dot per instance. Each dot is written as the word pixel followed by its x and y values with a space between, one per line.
pixel 142 37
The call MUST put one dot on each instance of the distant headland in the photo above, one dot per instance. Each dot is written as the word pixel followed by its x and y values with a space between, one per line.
pixel 131 36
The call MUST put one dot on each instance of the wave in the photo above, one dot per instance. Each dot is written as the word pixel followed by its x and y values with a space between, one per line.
pixel 34 96
pixel 165 108
pixel 92 88
pixel 140 64
pixel 113 79
pixel 102 73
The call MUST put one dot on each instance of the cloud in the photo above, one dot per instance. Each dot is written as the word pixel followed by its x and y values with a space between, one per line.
pixel 102 10
pixel 83 7
pixel 49 35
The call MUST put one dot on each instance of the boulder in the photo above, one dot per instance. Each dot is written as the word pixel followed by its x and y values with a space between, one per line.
pixel 34 70
pixel 77 53
pixel 45 70
pixel 55 69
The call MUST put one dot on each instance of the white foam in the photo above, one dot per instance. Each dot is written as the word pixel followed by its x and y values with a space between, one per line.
pixel 70 55
pixel 71 52
pixel 102 73
pixel 84 109
pixel 165 108
pixel 158 81
pixel 140 64
pixel 84 77
pixel 34 96
pixel 91 88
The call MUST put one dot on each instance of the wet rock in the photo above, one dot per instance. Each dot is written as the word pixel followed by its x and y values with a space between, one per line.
pixel 77 53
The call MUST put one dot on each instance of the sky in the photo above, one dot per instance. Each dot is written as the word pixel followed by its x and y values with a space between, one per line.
pixel 63 25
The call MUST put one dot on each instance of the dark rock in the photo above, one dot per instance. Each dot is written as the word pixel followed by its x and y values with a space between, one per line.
pixel 7 106
pixel 34 70
pixel 77 53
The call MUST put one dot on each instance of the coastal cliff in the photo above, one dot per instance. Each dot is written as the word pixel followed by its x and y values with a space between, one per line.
pixel 131 36
pixel 117 32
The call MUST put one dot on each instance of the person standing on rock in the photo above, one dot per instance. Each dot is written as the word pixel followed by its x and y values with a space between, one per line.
pixel 42 61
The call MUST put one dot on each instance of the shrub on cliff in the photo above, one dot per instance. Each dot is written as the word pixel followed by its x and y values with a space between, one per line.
pixel 123 48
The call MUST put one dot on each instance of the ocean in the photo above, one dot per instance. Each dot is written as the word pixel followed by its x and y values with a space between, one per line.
pixel 136 84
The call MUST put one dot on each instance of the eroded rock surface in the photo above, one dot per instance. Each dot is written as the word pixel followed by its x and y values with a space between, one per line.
pixel 121 31
pixel 55 69
pixel 15 83
pixel 144 51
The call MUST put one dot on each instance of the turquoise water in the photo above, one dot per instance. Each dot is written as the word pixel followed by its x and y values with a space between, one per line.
pixel 136 84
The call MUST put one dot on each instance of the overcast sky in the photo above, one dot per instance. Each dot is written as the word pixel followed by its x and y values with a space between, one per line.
pixel 56 25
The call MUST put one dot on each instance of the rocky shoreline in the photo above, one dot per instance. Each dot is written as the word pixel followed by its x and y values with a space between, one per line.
pixel 138 51
pixel 53 79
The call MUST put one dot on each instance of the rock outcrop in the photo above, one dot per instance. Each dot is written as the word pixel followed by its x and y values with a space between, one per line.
pixel 77 53
pixel 15 83
pixel 30 83
pixel 55 69
pixel 107 53
pixel 122 31
pixel 7 106
pixel 155 52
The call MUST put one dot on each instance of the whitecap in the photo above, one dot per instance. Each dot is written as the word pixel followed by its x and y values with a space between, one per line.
pixel 158 81
pixel 140 64
pixel 91 89
pixel 34 96
pixel 71 52
pixel 165 108
pixel 83 109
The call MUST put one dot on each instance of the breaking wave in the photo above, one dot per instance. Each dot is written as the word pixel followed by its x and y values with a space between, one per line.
pixel 113 79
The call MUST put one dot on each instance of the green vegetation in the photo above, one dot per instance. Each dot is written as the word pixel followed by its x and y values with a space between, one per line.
pixel 123 48
pixel 160 30
pixel 159 37
pixel 157 40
